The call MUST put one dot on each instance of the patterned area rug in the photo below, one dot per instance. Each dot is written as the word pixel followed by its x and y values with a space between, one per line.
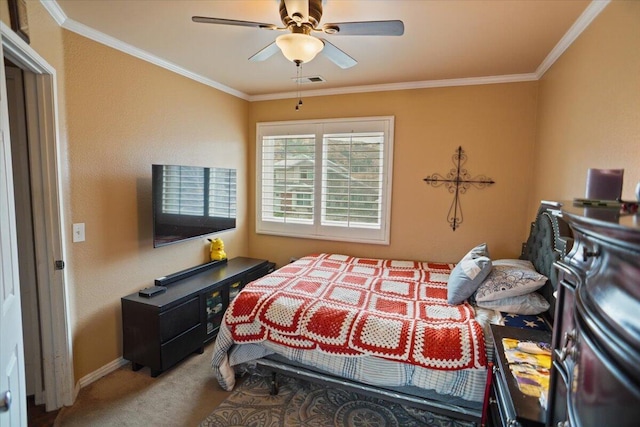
pixel 303 404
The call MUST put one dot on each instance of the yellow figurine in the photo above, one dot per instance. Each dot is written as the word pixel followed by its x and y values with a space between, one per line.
pixel 216 249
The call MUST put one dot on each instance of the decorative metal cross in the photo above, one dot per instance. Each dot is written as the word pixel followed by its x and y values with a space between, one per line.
pixel 458 181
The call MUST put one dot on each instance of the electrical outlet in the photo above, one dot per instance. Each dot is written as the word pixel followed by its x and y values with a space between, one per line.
pixel 78 232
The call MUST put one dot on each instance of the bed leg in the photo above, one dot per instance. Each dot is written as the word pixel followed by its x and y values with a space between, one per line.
pixel 274 384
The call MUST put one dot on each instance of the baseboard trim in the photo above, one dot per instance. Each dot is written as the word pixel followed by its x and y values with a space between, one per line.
pixel 105 370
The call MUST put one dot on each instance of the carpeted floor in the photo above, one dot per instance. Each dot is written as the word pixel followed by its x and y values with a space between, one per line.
pixel 181 396
pixel 187 394
pixel 300 403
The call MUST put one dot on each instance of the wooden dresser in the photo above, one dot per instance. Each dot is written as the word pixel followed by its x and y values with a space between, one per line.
pixel 595 379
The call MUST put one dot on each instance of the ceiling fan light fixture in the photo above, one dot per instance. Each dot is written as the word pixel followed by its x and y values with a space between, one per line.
pixel 298 47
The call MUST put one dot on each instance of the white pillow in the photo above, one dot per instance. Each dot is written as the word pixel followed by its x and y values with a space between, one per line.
pixel 509 278
pixel 532 303
pixel 467 275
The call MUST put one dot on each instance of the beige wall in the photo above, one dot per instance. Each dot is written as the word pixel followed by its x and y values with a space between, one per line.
pixel 589 108
pixel 126 114
pixel 123 115
pixel 46 39
pixel 494 124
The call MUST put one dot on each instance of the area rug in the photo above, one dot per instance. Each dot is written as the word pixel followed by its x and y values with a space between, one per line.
pixel 303 404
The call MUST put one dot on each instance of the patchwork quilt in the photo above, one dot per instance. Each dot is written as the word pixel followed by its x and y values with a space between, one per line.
pixel 346 306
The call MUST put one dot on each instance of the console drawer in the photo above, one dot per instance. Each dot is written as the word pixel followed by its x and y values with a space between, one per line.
pixel 175 321
pixel 175 350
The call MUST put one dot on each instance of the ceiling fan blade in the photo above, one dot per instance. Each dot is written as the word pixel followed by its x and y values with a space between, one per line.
pixel 298 10
pixel 337 56
pixel 365 28
pixel 221 21
pixel 265 53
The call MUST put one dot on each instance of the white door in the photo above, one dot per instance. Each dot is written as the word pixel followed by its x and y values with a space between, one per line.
pixel 13 406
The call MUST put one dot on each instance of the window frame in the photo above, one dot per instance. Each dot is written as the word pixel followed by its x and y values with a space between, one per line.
pixel 317 129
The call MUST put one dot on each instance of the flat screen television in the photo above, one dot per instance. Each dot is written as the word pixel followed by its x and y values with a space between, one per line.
pixel 191 202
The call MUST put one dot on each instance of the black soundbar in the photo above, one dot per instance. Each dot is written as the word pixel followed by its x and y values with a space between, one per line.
pixel 165 280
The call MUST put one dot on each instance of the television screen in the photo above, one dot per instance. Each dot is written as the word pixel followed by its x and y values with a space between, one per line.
pixel 191 201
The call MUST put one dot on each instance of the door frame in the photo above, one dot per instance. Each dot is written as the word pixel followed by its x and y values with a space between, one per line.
pixel 24 233
pixel 44 152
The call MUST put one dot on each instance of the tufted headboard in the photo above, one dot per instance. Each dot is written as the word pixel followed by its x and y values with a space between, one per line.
pixel 550 239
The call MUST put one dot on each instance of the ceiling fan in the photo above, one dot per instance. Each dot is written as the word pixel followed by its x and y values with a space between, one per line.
pixel 302 18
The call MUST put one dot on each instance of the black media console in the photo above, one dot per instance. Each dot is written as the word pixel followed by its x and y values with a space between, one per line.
pixel 161 330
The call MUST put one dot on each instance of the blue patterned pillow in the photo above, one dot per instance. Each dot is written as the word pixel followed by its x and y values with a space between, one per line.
pixel 467 275
pixel 510 278
pixel 532 303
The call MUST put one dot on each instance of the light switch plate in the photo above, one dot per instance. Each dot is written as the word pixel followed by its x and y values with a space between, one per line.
pixel 78 232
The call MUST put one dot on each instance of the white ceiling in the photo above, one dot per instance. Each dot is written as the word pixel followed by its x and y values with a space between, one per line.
pixel 461 42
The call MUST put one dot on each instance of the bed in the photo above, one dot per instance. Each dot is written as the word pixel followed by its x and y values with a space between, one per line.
pixel 387 327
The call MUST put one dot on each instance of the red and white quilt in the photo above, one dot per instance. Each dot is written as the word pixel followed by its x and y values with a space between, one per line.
pixel 350 306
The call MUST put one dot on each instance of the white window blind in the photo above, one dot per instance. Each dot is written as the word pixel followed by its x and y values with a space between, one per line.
pixel 352 178
pixel 327 179
pixel 288 178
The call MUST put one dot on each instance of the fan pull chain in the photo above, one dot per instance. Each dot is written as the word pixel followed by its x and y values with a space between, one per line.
pixel 298 79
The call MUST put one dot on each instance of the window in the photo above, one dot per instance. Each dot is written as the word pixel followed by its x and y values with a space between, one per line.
pixel 325 179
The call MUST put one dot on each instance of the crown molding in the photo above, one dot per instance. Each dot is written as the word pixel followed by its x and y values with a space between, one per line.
pixel 470 81
pixel 69 24
pixel 55 11
pixel 589 14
